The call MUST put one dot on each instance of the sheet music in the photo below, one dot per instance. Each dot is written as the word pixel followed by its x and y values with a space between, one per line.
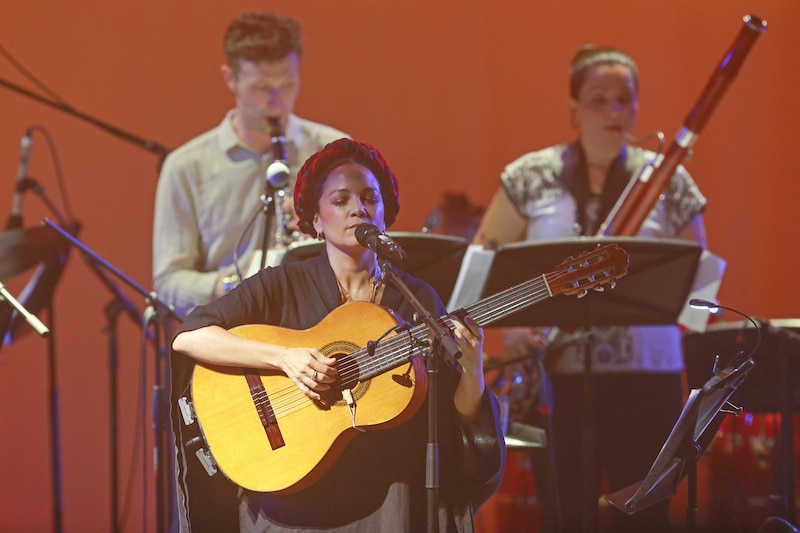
pixel 471 276
pixel 710 269
pixel 274 257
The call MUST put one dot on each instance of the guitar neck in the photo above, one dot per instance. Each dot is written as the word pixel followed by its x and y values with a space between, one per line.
pixel 410 342
pixel 509 301
pixel 574 276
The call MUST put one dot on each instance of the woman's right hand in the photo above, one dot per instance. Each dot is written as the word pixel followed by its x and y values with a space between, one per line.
pixel 312 371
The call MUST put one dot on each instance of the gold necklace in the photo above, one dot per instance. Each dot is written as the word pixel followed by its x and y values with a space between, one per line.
pixel 377 283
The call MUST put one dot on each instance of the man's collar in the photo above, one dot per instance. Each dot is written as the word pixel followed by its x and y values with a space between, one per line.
pixel 230 142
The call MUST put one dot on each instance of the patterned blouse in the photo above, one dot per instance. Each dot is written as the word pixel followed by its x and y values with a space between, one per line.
pixel 550 188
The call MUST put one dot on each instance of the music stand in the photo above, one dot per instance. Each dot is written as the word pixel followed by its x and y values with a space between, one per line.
pixel 431 257
pixel 698 422
pixel 773 386
pixel 654 291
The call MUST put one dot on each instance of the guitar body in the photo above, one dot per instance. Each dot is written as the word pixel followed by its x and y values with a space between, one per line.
pixel 312 435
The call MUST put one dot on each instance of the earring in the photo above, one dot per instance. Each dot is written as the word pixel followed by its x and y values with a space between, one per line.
pixel 320 236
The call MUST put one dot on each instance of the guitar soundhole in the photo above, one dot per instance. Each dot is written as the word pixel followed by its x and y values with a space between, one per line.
pixel 348 369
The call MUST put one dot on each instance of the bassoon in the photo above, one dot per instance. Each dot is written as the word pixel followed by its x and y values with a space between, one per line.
pixel 642 192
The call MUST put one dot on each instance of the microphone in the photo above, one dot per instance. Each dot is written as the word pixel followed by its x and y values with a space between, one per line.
pixel 277 171
pixel 371 237
pixel 277 175
pixel 15 217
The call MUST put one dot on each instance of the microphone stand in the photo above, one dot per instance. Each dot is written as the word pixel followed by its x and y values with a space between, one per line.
pixel 117 305
pixel 268 208
pixel 161 454
pixel 442 343
pixel 149 145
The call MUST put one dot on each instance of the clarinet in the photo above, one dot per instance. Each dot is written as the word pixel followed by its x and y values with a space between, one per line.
pixel 642 192
pixel 278 180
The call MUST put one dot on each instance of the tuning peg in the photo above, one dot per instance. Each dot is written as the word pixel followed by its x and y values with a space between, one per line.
pixel 613 284
pixel 599 288
pixel 582 293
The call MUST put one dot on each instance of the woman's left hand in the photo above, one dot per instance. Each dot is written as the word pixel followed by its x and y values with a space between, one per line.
pixel 468 336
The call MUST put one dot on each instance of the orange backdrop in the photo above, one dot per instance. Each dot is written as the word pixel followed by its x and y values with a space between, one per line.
pixel 449 90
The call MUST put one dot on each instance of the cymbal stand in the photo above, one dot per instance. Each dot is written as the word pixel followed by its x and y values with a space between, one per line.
pixel 52 392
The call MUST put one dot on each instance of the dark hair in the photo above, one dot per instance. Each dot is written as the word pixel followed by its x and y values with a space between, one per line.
pixel 261 36
pixel 588 56
pixel 311 176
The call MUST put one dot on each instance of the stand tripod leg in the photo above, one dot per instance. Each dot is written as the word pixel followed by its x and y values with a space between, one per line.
pixel 112 311
pixel 691 507
pixel 786 473
pixel 589 497
pixel 55 443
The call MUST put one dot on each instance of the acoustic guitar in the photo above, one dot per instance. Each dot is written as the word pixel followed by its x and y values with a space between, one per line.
pixel 266 435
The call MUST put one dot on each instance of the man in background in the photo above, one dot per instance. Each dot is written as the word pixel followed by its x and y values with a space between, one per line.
pixel 207 233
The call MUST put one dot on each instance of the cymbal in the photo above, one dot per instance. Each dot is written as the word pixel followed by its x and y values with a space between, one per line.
pixel 23 248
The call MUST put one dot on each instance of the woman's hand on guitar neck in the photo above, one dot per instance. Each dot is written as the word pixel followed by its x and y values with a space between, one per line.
pixel 469 339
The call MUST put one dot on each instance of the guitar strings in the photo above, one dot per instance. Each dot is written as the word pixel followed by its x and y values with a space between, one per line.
pixel 396 350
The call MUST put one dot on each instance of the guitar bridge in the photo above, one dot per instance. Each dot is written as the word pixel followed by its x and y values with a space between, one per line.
pixel 266 414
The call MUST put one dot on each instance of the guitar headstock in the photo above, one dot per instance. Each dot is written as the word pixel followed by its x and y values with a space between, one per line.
pixel 590 270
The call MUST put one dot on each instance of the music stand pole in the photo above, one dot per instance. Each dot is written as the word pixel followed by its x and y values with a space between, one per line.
pixel 692 509
pixel 786 480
